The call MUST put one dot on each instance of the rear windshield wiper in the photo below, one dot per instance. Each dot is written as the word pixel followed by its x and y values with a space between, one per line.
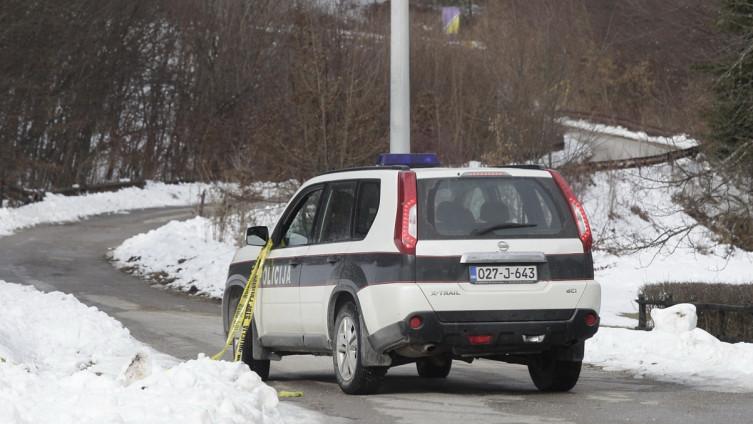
pixel 482 231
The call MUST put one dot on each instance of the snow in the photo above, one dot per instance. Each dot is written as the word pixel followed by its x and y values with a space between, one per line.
pixel 675 351
pixel 187 252
pixel 64 362
pixel 574 151
pixel 680 141
pixel 675 319
pixel 634 207
pixel 83 366
pixel 56 208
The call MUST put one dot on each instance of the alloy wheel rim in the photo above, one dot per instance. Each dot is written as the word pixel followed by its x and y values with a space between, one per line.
pixel 347 348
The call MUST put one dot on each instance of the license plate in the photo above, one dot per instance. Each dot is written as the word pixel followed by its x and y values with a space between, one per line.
pixel 504 274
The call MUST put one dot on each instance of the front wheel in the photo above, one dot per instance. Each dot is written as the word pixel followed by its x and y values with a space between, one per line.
pixel 552 375
pixel 353 377
pixel 259 366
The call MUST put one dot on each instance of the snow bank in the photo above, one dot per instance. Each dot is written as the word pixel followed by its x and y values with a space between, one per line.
pixel 634 207
pixel 187 253
pixel 676 319
pixel 36 330
pixel 674 351
pixel 64 362
pixel 184 250
pixel 56 208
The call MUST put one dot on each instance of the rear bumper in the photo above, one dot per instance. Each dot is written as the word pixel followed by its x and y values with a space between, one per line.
pixel 450 331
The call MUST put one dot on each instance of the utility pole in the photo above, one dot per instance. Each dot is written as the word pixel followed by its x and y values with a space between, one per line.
pixel 399 77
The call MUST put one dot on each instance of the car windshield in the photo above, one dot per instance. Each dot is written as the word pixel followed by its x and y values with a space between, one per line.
pixel 492 207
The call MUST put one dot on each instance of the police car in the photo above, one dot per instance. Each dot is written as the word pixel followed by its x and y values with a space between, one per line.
pixel 411 262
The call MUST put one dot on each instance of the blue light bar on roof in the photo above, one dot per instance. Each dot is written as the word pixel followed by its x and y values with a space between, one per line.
pixel 413 160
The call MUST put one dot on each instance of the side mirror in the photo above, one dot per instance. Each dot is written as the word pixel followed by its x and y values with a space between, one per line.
pixel 257 236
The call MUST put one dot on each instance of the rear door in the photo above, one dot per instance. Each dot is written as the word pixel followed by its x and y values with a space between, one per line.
pixel 498 243
pixel 348 210
pixel 321 265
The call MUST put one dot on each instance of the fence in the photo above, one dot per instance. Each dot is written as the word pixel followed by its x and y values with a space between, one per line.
pixel 729 323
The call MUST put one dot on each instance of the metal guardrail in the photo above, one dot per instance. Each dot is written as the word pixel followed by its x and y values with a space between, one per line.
pixel 633 162
pixel 26 196
pixel 98 188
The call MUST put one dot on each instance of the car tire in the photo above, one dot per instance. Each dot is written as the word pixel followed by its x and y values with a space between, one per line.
pixel 434 367
pixel 552 375
pixel 353 377
pixel 259 366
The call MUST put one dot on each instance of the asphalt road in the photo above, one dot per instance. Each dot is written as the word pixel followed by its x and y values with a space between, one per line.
pixel 72 258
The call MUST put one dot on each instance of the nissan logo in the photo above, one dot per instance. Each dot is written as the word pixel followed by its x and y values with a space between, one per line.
pixel 503 246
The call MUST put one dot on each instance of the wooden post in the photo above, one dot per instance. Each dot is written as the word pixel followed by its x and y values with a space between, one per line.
pixel 201 203
pixel 642 312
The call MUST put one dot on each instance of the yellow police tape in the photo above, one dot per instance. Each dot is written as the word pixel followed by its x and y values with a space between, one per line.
pixel 244 312
pixel 287 394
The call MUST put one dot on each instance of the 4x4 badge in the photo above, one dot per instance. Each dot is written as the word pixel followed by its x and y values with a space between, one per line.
pixel 503 246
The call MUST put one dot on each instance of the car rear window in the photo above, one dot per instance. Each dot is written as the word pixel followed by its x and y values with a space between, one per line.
pixel 492 207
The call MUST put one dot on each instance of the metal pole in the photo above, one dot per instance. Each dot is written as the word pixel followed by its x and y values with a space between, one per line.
pixel 399 77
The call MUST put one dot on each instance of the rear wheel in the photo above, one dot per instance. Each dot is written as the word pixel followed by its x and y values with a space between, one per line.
pixel 353 377
pixel 259 366
pixel 552 375
pixel 434 367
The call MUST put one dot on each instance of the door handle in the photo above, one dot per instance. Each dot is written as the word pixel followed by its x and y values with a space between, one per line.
pixel 294 262
pixel 332 259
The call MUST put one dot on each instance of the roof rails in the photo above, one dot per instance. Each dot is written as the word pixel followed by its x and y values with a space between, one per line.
pixel 369 168
pixel 407 168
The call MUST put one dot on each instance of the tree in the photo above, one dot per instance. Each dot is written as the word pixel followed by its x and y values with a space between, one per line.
pixel 731 120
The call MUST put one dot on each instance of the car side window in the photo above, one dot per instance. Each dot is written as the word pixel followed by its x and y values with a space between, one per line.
pixel 300 231
pixel 368 206
pixel 338 212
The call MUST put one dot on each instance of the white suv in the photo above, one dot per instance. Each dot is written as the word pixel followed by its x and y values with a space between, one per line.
pixel 401 263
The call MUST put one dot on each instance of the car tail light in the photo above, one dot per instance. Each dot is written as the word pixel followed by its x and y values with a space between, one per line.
pixel 415 322
pixel 480 340
pixel 406 224
pixel 579 213
pixel 591 319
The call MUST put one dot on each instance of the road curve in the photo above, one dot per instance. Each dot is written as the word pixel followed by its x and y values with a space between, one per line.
pixel 71 258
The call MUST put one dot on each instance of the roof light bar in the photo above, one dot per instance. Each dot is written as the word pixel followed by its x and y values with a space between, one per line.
pixel 413 160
